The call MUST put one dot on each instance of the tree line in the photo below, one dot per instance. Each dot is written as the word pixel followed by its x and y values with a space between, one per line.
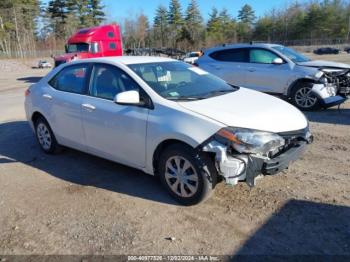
pixel 28 25
pixel 185 28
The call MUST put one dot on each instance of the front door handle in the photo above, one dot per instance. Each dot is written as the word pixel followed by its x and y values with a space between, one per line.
pixel 88 107
pixel 47 96
pixel 251 69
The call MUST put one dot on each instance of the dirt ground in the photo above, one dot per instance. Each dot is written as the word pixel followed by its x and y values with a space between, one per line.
pixel 74 203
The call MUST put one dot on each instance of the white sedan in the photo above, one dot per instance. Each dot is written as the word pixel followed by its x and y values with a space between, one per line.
pixel 44 64
pixel 166 118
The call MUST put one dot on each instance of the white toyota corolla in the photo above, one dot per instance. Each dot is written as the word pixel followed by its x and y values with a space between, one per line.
pixel 166 118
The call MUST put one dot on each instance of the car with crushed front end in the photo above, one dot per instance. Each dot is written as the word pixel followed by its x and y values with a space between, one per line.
pixel 280 71
pixel 167 118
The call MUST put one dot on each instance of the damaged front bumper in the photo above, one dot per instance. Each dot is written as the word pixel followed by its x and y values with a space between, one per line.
pixel 248 167
pixel 327 95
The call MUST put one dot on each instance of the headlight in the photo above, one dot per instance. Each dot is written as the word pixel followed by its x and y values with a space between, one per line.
pixel 319 74
pixel 251 141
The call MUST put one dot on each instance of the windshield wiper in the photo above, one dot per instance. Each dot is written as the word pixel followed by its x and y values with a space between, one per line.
pixel 183 98
pixel 219 92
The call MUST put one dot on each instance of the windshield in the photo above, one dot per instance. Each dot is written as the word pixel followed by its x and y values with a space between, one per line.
pixel 194 55
pixel 79 47
pixel 291 54
pixel 180 81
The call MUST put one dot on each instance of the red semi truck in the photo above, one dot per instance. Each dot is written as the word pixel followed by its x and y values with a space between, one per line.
pixel 92 42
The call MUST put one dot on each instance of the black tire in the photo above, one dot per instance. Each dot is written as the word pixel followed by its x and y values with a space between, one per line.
pixel 202 167
pixel 311 101
pixel 42 127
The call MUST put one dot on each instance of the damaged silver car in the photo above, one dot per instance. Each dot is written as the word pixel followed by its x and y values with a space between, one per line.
pixel 281 71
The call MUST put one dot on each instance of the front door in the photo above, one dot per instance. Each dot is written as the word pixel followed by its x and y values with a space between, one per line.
pixel 265 76
pixel 116 132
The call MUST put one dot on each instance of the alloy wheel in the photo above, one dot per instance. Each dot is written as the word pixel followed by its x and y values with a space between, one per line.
pixel 304 98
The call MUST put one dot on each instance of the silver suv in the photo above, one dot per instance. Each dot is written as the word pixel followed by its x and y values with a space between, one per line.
pixel 281 71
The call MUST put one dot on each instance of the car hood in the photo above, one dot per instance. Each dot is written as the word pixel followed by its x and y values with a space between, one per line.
pixel 250 109
pixel 324 64
pixel 69 56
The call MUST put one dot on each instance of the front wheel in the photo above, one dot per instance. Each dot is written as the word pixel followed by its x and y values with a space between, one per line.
pixel 188 176
pixel 303 98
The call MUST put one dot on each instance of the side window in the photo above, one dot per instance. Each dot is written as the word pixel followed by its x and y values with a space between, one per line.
pixel 231 55
pixel 262 56
pixel 112 46
pixel 71 79
pixel 108 81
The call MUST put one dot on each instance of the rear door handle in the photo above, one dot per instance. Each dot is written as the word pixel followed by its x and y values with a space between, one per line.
pixel 47 96
pixel 88 107
pixel 251 69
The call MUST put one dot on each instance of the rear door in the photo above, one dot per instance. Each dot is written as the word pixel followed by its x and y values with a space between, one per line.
pixel 228 64
pixel 263 75
pixel 113 131
pixel 64 100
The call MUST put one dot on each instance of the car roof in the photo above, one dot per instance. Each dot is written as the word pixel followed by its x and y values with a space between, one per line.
pixel 229 46
pixel 127 60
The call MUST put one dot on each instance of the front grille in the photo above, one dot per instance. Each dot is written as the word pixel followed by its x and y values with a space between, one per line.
pixel 341 80
pixel 292 139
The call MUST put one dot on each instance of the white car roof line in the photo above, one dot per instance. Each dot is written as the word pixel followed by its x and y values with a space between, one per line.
pixel 127 60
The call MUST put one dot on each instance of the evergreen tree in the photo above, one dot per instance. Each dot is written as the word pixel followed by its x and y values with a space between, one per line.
pixel 213 25
pixel 193 15
pixel 228 26
pixel 175 21
pixel 194 22
pixel 96 12
pixel 57 10
pixel 161 24
pixel 246 14
pixel 174 13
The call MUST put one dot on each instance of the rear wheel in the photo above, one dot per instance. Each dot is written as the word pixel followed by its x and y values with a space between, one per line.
pixel 303 98
pixel 45 136
pixel 188 176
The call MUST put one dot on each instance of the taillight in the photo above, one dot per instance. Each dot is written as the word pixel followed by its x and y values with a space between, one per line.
pixel 27 92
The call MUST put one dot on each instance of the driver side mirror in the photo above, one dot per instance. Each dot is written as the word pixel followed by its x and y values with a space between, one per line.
pixel 277 61
pixel 128 98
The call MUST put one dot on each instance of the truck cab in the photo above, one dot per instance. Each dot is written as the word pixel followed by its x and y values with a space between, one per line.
pixel 92 42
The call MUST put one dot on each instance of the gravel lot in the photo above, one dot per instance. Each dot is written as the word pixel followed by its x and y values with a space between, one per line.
pixel 74 203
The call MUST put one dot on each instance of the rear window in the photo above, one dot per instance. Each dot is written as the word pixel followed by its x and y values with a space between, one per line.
pixel 231 55
pixel 70 79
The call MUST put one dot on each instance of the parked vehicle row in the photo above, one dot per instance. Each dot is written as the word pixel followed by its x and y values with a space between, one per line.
pixel 280 71
pixel 167 118
pixel 326 51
